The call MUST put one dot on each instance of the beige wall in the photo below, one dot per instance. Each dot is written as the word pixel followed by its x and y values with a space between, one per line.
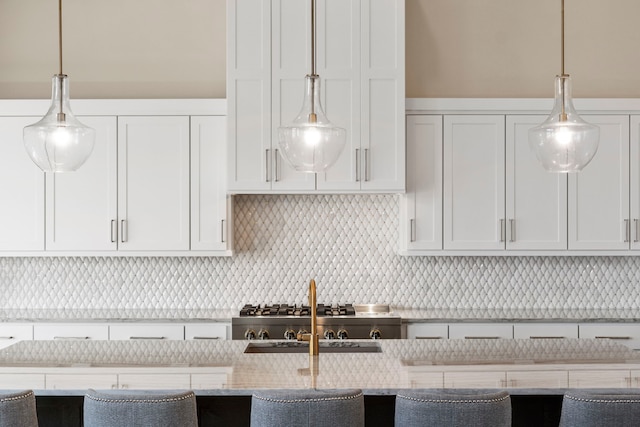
pixel 455 48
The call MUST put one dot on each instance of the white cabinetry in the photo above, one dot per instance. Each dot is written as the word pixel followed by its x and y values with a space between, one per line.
pixel 360 58
pixel 428 331
pixel 211 208
pixel 206 331
pixel 474 179
pixel 545 330
pixel 153 183
pixel 624 333
pixel 599 194
pixel 421 206
pixel 536 202
pixel 635 182
pixel 10 333
pixel 146 331
pixel 70 331
pixel 82 207
pixel 590 378
pixel 21 190
pixel 481 331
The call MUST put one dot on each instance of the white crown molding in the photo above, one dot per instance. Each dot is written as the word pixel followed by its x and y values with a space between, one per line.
pixel 119 107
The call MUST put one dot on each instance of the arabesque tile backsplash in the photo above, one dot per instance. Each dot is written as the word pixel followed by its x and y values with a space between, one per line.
pixel 346 242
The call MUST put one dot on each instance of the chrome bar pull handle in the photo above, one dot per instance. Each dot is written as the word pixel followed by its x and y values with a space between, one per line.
pixel 276 164
pixel 123 231
pixel 627 230
pixel 357 165
pixel 512 231
pixel 222 231
pixel 114 231
pixel 366 164
pixel 502 230
pixel 636 222
pixel 266 165
pixel 412 230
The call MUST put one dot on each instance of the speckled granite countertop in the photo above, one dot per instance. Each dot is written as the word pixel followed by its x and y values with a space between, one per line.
pixel 384 372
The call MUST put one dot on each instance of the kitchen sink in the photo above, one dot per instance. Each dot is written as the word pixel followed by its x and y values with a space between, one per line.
pixel 303 347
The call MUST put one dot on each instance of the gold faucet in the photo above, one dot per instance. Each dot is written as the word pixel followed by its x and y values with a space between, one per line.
pixel 312 337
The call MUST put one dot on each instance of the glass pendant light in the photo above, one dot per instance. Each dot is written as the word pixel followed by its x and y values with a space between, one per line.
pixel 59 142
pixel 564 142
pixel 311 143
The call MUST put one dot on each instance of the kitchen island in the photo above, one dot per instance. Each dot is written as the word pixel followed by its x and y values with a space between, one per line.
pixel 219 370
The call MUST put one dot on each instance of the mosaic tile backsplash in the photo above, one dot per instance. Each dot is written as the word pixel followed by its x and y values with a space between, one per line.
pixel 346 242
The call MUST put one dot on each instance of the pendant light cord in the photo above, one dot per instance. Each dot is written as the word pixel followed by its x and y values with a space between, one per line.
pixel 312 115
pixel 563 75
pixel 60 33
pixel 562 36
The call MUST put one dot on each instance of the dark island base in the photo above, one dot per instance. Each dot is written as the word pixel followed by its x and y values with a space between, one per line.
pixel 234 411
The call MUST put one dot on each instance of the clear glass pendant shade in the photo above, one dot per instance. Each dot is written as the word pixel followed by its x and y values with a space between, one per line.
pixel 564 142
pixel 311 143
pixel 59 142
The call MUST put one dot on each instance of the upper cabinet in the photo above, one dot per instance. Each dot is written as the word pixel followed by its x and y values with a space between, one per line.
pixel 495 198
pixel 21 190
pixel 360 59
pixel 153 185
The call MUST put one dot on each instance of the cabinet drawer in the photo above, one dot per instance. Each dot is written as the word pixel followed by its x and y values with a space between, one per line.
pixel 154 381
pixel 426 379
pixel 545 330
pixel 624 333
pixel 70 331
pixel 13 332
pixel 480 330
pixel 428 331
pixel 537 379
pixel 22 381
pixel 208 381
pixel 81 381
pixel 147 331
pixel 475 379
pixel 618 378
pixel 206 331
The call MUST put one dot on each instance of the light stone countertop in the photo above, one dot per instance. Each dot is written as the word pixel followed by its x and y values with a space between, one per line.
pixel 386 372
pixel 408 315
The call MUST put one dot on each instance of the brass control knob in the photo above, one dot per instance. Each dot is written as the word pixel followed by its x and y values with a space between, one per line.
pixel 250 334
pixel 375 334
pixel 289 334
pixel 263 334
pixel 343 334
pixel 329 334
pixel 302 331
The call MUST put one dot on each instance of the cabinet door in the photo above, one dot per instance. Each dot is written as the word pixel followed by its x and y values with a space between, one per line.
pixel 426 379
pixel 209 381
pixel 599 194
pixel 209 223
pixel 249 94
pixel 153 183
pixel 154 381
pixel 338 64
pixel 609 378
pixel 21 189
pixel 536 200
pixel 421 206
pixel 22 381
pixel 635 182
pixel 81 381
pixel 291 59
pixel 470 379
pixel 474 174
pixel 537 379
pixel 383 95
pixel 82 206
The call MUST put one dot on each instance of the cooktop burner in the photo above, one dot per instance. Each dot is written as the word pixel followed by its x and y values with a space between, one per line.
pixel 297 310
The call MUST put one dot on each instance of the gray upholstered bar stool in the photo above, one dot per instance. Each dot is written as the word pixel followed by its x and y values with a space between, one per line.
pixel 18 409
pixel 453 408
pixel 594 409
pixel 139 409
pixel 300 408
